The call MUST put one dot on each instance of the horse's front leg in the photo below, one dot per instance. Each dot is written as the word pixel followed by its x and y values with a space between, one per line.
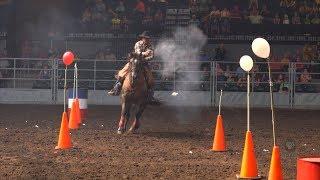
pixel 136 123
pixel 125 114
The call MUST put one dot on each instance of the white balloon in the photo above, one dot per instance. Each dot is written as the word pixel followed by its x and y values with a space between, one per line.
pixel 246 63
pixel 261 47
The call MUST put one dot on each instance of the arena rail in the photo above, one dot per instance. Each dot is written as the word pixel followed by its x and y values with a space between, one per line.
pixel 32 80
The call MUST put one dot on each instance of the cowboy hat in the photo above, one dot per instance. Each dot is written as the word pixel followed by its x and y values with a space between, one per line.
pixel 144 34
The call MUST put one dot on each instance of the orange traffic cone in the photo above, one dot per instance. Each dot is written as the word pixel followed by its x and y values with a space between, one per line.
pixel 64 141
pixel 275 172
pixel 219 141
pixel 77 109
pixel 73 123
pixel 249 168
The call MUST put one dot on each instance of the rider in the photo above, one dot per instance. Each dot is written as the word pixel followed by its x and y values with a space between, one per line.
pixel 144 48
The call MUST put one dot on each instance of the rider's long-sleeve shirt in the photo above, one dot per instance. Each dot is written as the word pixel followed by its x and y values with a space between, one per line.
pixel 141 47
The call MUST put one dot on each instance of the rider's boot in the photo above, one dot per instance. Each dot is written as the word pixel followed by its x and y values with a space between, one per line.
pixel 117 88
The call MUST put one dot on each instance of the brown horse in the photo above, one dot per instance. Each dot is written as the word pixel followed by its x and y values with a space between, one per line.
pixel 133 94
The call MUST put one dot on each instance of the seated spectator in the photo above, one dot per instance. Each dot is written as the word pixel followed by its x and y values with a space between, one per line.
pixel 203 6
pixel 116 23
pixel 305 79
pixel 265 12
pixel 220 73
pixel 286 19
pixel 212 25
pixel 307 20
pixel 315 20
pixel 205 76
pixel 296 18
pixel 99 7
pixel 308 54
pixel 284 86
pixel 255 17
pixel 120 9
pixel 287 3
pixel 281 84
pixel 205 72
pixel 45 73
pixel 220 52
pixel 228 73
pixel 109 56
pixel 240 72
pixel 236 12
pixel 158 18
pixel 225 13
pixel 194 21
pixel 230 85
pixel 285 62
pixel 255 68
pixel 275 65
pixel 215 12
pixel 99 55
pixel 162 5
pixel 257 84
pixel 253 4
pixel 225 26
pixel 43 76
pixel 194 9
pixel 140 9
pixel 147 19
pixel 125 24
pixel 276 19
pixel 98 11
pixel 242 83
pixel 86 17
pixel 305 76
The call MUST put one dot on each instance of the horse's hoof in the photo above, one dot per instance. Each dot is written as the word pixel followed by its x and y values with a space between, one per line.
pixel 120 131
pixel 133 130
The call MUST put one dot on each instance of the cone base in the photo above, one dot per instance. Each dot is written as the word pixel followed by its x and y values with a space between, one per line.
pixel 258 177
pixel 59 148
pixel 213 150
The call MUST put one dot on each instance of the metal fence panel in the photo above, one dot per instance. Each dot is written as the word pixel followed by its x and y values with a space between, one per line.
pixel 198 83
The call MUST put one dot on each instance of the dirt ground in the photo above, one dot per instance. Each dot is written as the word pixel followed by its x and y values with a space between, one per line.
pixel 173 143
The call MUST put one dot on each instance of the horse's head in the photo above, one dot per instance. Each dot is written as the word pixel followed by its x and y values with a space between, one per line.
pixel 136 67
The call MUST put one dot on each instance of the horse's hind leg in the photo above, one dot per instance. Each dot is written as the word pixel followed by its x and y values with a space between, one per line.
pixel 136 123
pixel 125 114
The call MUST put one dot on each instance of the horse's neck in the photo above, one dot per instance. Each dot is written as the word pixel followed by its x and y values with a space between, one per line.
pixel 141 82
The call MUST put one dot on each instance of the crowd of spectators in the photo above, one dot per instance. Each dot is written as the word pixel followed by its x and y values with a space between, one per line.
pixel 231 77
pixel 213 17
pixel 122 16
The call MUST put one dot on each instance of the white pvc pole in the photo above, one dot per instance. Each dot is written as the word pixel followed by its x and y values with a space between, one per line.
pixel 220 102
pixel 64 90
pixel 76 71
pixel 271 103
pixel 74 83
pixel 248 102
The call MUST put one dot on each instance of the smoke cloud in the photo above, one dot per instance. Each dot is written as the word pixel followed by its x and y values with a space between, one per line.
pixel 184 44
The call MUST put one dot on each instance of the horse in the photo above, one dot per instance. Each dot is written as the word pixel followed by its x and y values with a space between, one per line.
pixel 133 94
